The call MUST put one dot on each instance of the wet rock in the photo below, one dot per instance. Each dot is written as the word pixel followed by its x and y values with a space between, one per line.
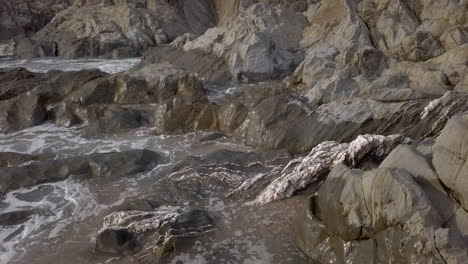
pixel 12 159
pixel 224 172
pixel 17 81
pixel 103 165
pixel 146 84
pixel 163 231
pixel 268 115
pixel 15 217
pixel 51 87
pixel 21 112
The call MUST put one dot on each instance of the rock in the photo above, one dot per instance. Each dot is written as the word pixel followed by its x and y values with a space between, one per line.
pixel 359 215
pixel 301 172
pixel 224 172
pixel 100 28
pixel 405 157
pixel 258 44
pixel 450 152
pixel 11 159
pixel 25 17
pixel 209 67
pixel 21 112
pixel 150 83
pixel 363 215
pixel 52 87
pixel 104 165
pixel 171 229
pixel 26 48
pixel 15 217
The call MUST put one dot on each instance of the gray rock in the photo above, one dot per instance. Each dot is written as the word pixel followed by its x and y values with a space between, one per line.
pixel 94 28
pixel 95 165
pixel 26 17
pixel 450 153
pixel 170 230
pixel 12 159
pixel 21 112
pixel 258 44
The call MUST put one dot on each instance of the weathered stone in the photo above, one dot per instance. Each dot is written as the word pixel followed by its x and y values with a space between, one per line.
pixel 95 165
pixel 450 153
pixel 258 44
pixel 100 28
pixel 25 17
pixel 170 228
pixel 21 112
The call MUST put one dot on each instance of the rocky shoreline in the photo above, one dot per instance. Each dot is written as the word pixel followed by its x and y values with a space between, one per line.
pixel 357 110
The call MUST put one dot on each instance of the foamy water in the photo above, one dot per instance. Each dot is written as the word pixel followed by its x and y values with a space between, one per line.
pixel 48 64
pixel 67 214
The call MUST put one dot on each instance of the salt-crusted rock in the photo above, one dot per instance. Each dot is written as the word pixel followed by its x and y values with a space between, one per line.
pixel 301 172
pixel 170 229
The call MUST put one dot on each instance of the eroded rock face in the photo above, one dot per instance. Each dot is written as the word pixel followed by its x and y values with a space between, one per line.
pixel 398 213
pixel 259 44
pixel 119 28
pixel 25 17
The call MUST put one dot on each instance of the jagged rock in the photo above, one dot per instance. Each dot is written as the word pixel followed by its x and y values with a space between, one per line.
pixel 258 44
pixel 104 165
pixel 301 172
pixel 209 67
pixel 25 17
pixel 167 230
pixel 223 171
pixel 21 112
pixel 150 83
pixel 51 87
pixel 100 28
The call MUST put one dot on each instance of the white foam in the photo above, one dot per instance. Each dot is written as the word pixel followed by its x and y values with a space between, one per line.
pixel 48 64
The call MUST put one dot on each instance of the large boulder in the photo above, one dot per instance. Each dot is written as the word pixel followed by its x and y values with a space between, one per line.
pixel 450 157
pixel 405 211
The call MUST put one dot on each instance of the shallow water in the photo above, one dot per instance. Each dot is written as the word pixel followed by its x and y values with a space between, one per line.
pixel 48 64
pixel 69 213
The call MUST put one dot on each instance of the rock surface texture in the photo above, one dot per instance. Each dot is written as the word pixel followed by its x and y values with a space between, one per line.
pixel 376 91
pixel 404 211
